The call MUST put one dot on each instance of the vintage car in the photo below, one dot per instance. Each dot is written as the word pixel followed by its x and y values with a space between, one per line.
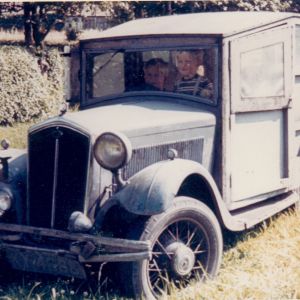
pixel 188 125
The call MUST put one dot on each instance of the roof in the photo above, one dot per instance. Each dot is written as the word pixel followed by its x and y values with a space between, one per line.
pixel 218 23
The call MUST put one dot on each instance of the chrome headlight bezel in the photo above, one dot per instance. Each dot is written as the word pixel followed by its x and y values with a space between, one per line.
pixel 78 222
pixel 5 201
pixel 112 150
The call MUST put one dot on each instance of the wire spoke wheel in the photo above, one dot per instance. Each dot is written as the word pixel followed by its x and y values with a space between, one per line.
pixel 178 255
pixel 186 244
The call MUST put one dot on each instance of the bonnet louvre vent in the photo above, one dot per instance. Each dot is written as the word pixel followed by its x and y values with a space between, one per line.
pixel 143 157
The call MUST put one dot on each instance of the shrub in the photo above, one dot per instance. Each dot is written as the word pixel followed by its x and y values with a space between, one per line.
pixel 26 93
pixel 55 78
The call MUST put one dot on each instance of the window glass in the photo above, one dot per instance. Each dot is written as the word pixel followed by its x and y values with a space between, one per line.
pixel 189 71
pixel 106 74
pixel 262 72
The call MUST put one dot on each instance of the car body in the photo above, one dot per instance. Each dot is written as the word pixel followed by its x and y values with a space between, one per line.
pixel 148 176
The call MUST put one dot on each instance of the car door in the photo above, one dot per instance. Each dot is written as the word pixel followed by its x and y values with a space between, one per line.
pixel 260 146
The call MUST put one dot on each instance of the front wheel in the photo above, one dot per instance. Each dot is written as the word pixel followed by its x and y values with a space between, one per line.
pixel 186 243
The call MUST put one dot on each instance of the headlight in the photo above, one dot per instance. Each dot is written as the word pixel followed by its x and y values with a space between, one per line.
pixel 112 150
pixel 78 222
pixel 5 201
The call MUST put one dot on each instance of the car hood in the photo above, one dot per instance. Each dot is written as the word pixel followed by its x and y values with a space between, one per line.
pixel 138 118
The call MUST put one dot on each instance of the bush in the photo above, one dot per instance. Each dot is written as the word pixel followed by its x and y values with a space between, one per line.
pixel 26 93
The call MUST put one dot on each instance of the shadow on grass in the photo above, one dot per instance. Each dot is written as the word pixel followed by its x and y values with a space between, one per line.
pixel 24 285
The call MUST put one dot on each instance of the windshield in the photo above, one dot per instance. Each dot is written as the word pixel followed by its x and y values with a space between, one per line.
pixel 188 71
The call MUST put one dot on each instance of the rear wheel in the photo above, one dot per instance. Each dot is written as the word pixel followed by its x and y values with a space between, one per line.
pixel 186 243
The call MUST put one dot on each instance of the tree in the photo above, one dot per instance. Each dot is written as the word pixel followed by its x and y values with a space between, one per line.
pixel 127 10
pixel 41 17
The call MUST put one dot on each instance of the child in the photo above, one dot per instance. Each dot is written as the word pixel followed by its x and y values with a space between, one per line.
pixel 155 74
pixel 190 81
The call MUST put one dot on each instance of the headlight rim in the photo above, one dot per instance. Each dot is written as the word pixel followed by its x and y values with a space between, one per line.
pixel 8 200
pixel 126 145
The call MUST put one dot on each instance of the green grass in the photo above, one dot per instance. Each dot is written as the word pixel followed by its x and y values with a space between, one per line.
pixel 17 134
pixel 17 36
pixel 262 263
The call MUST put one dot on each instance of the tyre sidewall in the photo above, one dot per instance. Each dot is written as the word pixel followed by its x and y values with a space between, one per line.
pixel 181 208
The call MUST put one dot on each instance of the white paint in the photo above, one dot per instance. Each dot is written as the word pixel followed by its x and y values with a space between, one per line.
pixel 257 154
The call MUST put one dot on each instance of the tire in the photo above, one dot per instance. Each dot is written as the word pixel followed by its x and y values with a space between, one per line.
pixel 186 243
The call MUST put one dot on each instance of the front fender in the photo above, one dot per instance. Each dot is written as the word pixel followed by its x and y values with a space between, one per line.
pixel 152 190
pixel 16 179
pixel 17 164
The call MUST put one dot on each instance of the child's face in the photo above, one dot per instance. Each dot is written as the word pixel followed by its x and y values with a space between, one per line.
pixel 186 65
pixel 154 76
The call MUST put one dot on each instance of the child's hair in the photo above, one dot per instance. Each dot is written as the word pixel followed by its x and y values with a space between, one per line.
pixel 154 62
pixel 163 66
pixel 193 53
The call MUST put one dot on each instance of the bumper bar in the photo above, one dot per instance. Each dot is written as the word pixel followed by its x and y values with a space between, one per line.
pixel 107 244
pixel 81 249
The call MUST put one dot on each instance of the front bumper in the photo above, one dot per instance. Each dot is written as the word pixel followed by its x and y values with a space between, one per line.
pixel 59 252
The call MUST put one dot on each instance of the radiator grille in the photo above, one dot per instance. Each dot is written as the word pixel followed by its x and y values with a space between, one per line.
pixel 143 157
pixel 58 166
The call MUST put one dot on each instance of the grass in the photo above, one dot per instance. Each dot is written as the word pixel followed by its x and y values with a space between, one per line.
pixel 17 134
pixel 17 36
pixel 53 37
pixel 262 263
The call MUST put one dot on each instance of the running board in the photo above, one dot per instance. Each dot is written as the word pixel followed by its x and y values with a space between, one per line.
pixel 250 216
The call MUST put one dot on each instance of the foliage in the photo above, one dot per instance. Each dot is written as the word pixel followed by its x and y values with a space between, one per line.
pixel 123 11
pixel 41 17
pixel 55 72
pixel 25 92
pixel 37 21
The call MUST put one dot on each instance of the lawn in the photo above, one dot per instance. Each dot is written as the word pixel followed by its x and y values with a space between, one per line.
pixel 16 134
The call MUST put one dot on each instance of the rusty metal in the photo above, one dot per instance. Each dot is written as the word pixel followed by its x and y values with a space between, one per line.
pixel 40 260
pixel 106 243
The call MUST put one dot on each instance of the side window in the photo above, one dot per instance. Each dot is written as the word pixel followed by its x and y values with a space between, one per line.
pixel 260 71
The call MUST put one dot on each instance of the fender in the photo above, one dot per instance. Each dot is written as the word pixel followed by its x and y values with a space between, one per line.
pixel 15 179
pixel 17 165
pixel 152 190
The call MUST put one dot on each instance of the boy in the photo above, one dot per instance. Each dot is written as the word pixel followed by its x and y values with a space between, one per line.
pixel 155 74
pixel 190 81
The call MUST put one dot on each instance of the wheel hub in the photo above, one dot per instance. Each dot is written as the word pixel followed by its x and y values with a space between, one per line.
pixel 183 258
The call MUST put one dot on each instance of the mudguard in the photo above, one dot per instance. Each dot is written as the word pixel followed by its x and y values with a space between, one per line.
pixel 15 181
pixel 17 164
pixel 152 190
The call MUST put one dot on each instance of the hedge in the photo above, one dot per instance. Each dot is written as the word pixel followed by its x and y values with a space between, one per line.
pixel 25 92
